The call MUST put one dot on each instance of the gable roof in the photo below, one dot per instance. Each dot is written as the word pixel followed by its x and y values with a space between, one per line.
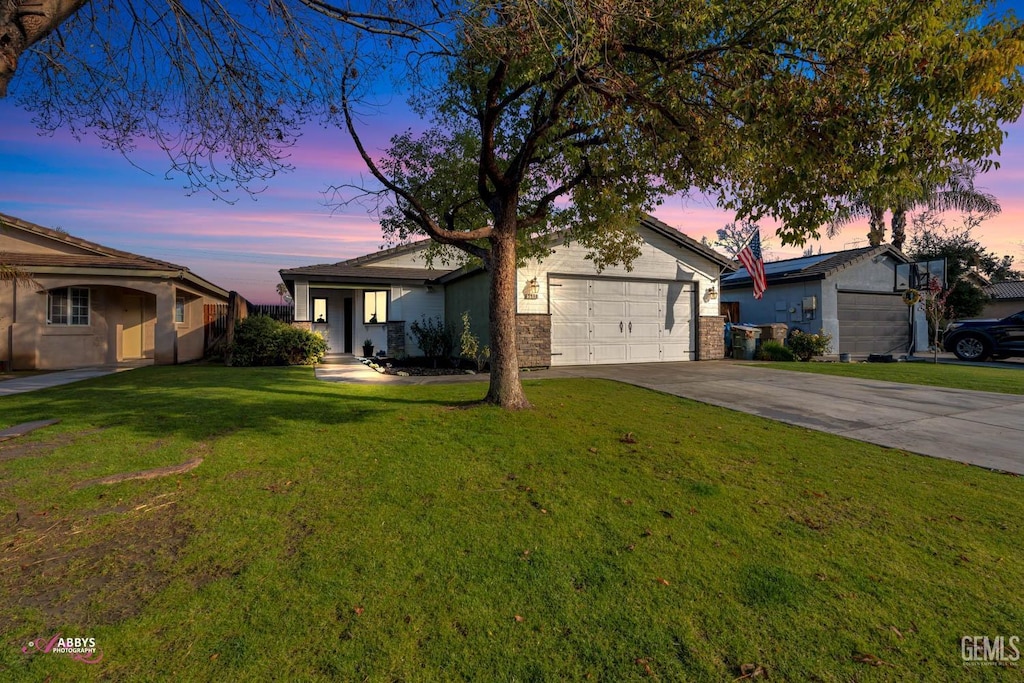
pixel 1013 289
pixel 814 267
pixel 355 270
pixel 666 230
pixel 96 256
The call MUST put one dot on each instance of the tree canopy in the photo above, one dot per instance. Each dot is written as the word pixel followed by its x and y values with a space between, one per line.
pixel 567 118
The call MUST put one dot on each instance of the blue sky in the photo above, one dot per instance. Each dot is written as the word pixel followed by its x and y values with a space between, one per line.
pixel 98 195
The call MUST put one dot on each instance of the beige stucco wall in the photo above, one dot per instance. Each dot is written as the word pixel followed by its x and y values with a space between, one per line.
pixel 996 309
pixel 30 343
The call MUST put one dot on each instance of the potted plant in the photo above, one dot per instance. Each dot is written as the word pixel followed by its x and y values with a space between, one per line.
pixel 367 348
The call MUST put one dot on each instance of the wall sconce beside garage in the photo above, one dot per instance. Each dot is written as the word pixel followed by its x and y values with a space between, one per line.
pixel 532 289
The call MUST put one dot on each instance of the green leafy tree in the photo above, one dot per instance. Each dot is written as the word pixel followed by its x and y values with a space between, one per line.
pixel 578 117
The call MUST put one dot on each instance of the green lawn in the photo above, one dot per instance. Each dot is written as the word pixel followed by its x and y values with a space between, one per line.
pixel 1002 380
pixel 343 533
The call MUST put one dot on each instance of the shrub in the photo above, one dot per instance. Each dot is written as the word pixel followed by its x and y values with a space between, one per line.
pixel 261 340
pixel 435 338
pixel 774 351
pixel 805 346
pixel 471 345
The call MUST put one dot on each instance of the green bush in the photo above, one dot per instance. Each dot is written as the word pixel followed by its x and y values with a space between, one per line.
pixel 435 338
pixel 774 351
pixel 261 340
pixel 805 346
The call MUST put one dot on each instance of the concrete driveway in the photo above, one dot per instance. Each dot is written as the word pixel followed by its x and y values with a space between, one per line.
pixel 975 427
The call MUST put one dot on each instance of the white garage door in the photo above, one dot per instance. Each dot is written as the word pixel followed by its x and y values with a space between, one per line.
pixel 604 320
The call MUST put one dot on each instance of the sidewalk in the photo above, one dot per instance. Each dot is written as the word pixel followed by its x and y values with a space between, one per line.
pixel 23 385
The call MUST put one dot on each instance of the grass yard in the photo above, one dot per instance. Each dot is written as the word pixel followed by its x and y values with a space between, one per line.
pixel 344 533
pixel 1001 380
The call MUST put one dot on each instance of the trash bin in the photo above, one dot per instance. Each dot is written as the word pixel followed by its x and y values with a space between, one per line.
pixel 744 342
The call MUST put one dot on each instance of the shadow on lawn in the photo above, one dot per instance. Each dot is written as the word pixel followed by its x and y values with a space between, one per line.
pixel 197 402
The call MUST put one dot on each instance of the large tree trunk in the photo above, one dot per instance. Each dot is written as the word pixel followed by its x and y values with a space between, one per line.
pixel 506 390
pixel 24 23
pixel 899 228
pixel 876 226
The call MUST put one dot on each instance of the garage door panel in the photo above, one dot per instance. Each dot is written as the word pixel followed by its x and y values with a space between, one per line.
pixel 608 332
pixel 640 332
pixel 608 309
pixel 570 354
pixel 644 290
pixel 645 352
pixel 611 290
pixel 570 310
pixel 608 353
pixel 644 310
pixel 671 352
pixel 571 332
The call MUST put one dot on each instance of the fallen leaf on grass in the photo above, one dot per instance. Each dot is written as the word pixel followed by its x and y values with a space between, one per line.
pixel 749 671
pixel 666 514
pixel 519 619
pixel 896 631
pixel 663 582
pixel 644 663
pixel 358 610
pixel 646 533
pixel 865 658
pixel 627 501
pixel 628 437
pixel 592 449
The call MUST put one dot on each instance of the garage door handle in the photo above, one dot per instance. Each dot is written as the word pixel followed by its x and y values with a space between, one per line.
pixel 620 327
pixel 631 327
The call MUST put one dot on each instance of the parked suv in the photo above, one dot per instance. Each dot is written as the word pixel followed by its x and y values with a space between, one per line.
pixel 979 339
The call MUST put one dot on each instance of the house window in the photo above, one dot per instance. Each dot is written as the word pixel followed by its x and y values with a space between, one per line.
pixel 319 310
pixel 375 307
pixel 179 309
pixel 67 306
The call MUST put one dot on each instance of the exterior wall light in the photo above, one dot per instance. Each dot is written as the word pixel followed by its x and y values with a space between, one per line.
pixel 710 294
pixel 532 289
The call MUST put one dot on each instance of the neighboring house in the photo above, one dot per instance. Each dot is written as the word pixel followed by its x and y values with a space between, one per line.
pixel 1007 299
pixel 850 294
pixel 87 304
pixel 665 309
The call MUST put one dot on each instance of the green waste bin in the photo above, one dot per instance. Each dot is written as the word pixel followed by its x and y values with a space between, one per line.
pixel 744 342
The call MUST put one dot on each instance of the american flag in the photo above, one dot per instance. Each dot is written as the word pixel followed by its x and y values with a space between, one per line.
pixel 751 258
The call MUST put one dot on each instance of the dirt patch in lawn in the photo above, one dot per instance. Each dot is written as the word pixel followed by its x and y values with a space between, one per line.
pixel 17 448
pixel 88 570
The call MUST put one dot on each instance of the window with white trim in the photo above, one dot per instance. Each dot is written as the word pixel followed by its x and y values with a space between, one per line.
pixel 67 306
pixel 179 309
pixel 375 307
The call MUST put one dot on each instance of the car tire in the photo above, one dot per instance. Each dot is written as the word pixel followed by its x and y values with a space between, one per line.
pixel 971 347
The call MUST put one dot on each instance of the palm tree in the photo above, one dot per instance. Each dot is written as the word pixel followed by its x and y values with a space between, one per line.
pixel 957 193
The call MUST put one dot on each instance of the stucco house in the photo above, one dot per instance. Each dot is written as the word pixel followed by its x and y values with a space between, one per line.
pixel 87 304
pixel 1007 298
pixel 850 294
pixel 568 313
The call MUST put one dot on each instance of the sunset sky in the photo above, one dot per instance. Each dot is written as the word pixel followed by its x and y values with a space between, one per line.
pixel 98 195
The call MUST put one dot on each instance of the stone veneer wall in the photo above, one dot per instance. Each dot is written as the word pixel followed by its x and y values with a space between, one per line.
pixel 533 340
pixel 396 338
pixel 711 337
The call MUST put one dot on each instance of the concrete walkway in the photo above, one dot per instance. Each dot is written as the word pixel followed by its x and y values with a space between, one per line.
pixel 975 427
pixel 22 385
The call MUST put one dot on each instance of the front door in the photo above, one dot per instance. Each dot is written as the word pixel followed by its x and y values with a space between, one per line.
pixel 133 320
pixel 348 324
